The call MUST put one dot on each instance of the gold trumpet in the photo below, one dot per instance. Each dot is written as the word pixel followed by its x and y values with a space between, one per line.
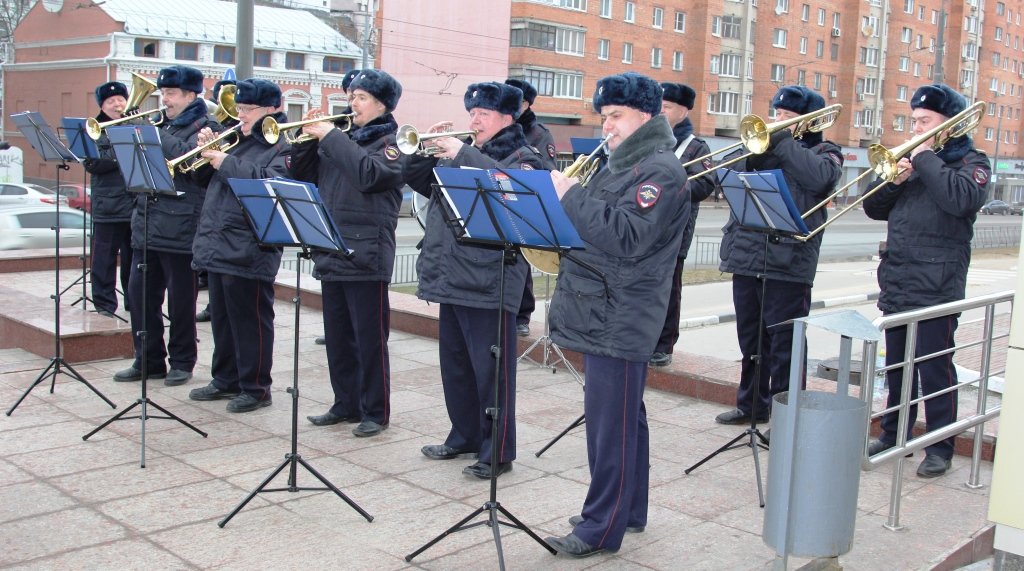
pixel 193 161
pixel 410 141
pixel 141 89
pixel 272 129
pixel 885 162
pixel 583 168
pixel 755 134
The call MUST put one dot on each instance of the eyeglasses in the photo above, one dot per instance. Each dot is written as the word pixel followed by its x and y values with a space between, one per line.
pixel 247 109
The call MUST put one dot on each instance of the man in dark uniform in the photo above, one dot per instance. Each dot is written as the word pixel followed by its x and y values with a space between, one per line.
pixel 676 104
pixel 538 136
pixel 167 238
pixel 240 272
pixel 464 279
pixel 628 215
pixel 811 167
pixel 360 180
pixel 111 207
pixel 930 207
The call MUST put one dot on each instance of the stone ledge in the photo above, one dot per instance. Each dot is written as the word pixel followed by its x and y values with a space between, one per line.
pixel 39 260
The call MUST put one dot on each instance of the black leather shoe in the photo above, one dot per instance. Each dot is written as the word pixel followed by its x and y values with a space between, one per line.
pixel 105 313
pixel 328 418
pixel 177 377
pixel 203 316
pixel 483 471
pixel 523 329
pixel 737 416
pixel 578 519
pixel 247 403
pixel 131 374
pixel 442 452
pixel 573 546
pixel 369 428
pixel 876 446
pixel 211 392
pixel 660 359
pixel 321 340
pixel 934 466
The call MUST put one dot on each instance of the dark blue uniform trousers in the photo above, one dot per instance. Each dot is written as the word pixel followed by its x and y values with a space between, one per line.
pixel 618 450
pixel 782 301
pixel 242 320
pixel 528 304
pixel 670 331
pixel 171 273
pixel 357 323
pixel 467 376
pixel 933 375
pixel 110 239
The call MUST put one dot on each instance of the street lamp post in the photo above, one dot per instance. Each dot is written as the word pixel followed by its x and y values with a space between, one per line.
pixel 995 159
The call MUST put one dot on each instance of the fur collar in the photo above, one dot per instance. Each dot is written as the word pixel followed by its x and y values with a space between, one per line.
pixel 652 136
pixel 505 142
pixel 956 149
pixel 194 112
pixel 379 127
pixel 682 130
pixel 527 119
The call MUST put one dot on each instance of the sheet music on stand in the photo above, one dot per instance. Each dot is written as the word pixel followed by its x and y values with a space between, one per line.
pixel 141 159
pixel 42 137
pixel 527 209
pixel 284 212
pixel 78 140
pixel 761 200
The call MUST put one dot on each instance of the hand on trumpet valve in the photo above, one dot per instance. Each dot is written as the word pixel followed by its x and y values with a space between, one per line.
pixel 215 156
pixel 204 136
pixel 562 183
pixel 441 127
pixel 904 168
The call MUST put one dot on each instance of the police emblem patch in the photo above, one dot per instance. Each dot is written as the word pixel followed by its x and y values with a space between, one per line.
pixel 392 153
pixel 647 194
pixel 526 167
pixel 707 164
pixel 551 150
pixel 980 175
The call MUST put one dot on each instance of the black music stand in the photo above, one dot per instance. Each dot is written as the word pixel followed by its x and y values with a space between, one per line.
pixel 42 138
pixel 142 163
pixel 760 202
pixel 504 209
pixel 281 213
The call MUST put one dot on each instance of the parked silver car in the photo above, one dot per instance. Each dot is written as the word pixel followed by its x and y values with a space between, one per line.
pixel 26 194
pixel 33 227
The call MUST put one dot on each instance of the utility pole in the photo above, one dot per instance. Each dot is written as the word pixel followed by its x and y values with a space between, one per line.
pixel 940 47
pixel 244 33
pixel 367 27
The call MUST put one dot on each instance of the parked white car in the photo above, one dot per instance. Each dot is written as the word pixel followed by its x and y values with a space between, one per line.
pixel 33 227
pixel 26 194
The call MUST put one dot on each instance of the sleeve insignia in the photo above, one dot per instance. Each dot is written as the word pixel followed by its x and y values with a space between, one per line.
pixel 288 162
pixel 526 167
pixel 647 194
pixel 707 164
pixel 836 158
pixel 392 153
pixel 980 176
pixel 551 150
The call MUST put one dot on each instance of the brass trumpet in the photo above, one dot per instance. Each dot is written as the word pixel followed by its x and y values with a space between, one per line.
pixel 885 162
pixel 272 129
pixel 193 161
pixel 410 141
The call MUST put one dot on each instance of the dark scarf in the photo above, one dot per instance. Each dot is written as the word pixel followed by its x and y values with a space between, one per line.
pixel 682 130
pixel 956 149
pixel 645 141
pixel 527 119
pixel 379 127
pixel 194 112
pixel 103 117
pixel 505 142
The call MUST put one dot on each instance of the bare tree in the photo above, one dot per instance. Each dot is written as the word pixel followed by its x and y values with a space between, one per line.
pixel 11 13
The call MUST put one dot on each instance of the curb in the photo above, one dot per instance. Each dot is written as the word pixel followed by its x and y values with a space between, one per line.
pixel 706 320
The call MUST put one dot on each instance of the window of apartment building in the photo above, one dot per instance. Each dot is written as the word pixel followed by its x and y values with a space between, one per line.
pixel 819 49
pixel 261 58
pixel 869 85
pixel 935 16
pixel 803 45
pixel 294 111
pixel 990 133
pixel 1000 8
pixel 821 16
pixel 542 81
pixel 869 56
pixel 805 12
pixel 729 65
pixel 817 80
pixel 779 38
pixel 781 6
pixel 603 47
pixel 731 26
pixel 917 69
pixel 904 63
pixel 750 68
pixel 899 123
pixel 677 61
pixel 680 22
pixel 991 109
pixel 999 34
pixel 723 103
pixel 930 71
pixel 145 47
pixel 971 24
pixel 995 59
pixel 966 77
pixel 870 23
pixel 630 12
pixel 906 34
pixel 901 93
pixel 918 42
pixel 606 8
pixel 580 5
pixel 658 18
pixel 569 41
pixel 224 54
pixel 533 35
pixel 655 57
pixel 627 53
pixel 801 77
pixel 294 60
pixel 993 85
pixel 338 65
pixel 864 118
pixel 834 52
pixel 778 72
pixel 568 85
pixel 920 13
pixel 931 45
pixel 186 51
pixel 748 103
pixel 715 64
pixel 970 51
pixel 908 6
pixel 836 20
pixel 831 84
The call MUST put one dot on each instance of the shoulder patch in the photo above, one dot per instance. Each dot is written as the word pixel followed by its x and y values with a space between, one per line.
pixel 647 194
pixel 835 158
pixel 707 164
pixel 392 153
pixel 526 167
pixel 980 175
pixel 551 150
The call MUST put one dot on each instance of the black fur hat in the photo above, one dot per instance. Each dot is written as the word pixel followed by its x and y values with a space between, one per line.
pixel 504 99
pixel 346 81
pixel 182 77
pixel 258 92
pixel 629 89
pixel 217 86
pixel 938 98
pixel 529 92
pixel 798 99
pixel 679 94
pixel 110 89
pixel 380 85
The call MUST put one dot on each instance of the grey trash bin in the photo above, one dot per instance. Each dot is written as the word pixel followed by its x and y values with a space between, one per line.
pixel 826 474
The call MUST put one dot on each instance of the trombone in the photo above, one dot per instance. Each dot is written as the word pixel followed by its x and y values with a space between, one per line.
pixel 885 162
pixel 192 161
pixel 272 129
pixel 755 134
pixel 410 141
pixel 141 89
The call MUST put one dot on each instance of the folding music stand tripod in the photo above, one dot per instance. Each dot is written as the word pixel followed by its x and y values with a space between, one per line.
pixel 145 172
pixel 760 202
pixel 506 210
pixel 281 213
pixel 45 142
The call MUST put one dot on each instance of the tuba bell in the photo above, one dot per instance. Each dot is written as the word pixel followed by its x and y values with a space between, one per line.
pixel 140 90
